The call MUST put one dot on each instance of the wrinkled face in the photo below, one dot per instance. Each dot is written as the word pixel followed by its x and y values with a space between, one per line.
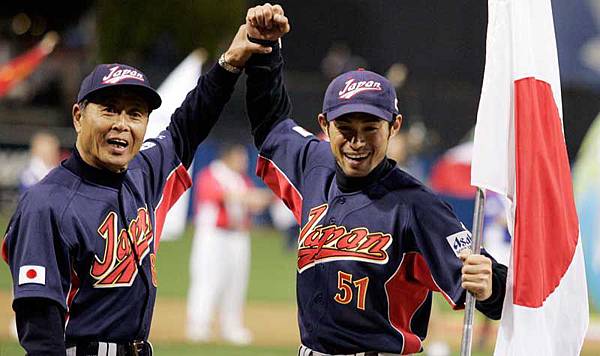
pixel 110 129
pixel 359 141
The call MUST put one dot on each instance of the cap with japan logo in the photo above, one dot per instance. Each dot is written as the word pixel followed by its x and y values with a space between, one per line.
pixel 360 91
pixel 108 76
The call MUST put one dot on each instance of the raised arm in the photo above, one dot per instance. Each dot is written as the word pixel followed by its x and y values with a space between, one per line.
pixel 266 98
pixel 192 121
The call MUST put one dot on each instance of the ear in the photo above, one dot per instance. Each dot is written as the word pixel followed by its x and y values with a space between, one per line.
pixel 324 124
pixel 396 125
pixel 77 114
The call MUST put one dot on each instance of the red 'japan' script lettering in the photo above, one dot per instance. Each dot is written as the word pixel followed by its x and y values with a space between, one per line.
pixel 332 242
pixel 117 268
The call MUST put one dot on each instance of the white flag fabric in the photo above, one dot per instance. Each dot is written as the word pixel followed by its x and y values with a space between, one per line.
pixel 172 91
pixel 519 151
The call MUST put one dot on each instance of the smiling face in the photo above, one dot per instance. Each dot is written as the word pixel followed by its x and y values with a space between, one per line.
pixel 359 141
pixel 110 128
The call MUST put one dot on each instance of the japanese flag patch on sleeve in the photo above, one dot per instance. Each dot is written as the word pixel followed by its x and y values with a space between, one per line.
pixel 32 274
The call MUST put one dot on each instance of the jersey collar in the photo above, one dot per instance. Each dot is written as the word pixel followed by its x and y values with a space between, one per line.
pixel 104 177
pixel 348 184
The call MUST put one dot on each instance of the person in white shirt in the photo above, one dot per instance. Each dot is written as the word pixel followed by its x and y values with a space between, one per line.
pixel 220 259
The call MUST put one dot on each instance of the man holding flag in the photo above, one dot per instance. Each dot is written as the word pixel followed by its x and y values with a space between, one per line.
pixel 374 241
pixel 520 153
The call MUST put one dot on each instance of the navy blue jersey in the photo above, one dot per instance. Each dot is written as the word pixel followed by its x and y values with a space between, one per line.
pixel 79 236
pixel 368 258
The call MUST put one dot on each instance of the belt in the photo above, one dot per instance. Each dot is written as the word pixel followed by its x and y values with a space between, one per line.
pixel 306 351
pixel 133 348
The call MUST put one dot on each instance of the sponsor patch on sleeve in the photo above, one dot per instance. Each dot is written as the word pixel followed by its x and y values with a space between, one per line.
pixel 32 274
pixel 460 241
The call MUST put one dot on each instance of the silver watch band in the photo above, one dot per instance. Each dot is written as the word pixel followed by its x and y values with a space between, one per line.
pixel 228 67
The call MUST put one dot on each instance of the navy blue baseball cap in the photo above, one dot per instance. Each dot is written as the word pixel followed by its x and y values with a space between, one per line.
pixel 107 76
pixel 360 91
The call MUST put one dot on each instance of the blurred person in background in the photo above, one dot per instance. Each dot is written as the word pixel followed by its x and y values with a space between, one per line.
pixel 220 257
pixel 406 149
pixel 284 221
pixel 44 156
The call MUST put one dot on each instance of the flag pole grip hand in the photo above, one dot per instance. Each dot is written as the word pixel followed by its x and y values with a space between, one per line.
pixel 477 274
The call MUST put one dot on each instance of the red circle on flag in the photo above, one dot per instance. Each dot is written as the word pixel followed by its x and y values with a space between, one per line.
pixel 31 274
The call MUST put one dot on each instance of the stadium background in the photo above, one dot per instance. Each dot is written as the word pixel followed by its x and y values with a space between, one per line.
pixel 436 47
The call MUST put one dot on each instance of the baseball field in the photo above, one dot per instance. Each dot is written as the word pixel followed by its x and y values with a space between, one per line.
pixel 270 312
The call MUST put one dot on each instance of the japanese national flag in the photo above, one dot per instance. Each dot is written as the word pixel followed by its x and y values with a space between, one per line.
pixel 32 274
pixel 519 151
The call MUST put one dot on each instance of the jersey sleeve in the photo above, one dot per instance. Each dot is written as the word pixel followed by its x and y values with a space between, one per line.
pixel 440 237
pixel 286 156
pixel 192 121
pixel 284 147
pixel 36 253
pixel 267 100
pixel 165 176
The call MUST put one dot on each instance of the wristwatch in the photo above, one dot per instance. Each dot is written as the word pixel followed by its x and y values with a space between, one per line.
pixel 228 67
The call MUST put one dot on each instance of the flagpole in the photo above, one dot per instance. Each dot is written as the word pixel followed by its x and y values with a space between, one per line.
pixel 467 335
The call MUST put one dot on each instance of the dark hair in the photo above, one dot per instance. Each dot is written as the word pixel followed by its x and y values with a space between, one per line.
pixel 99 95
pixel 83 103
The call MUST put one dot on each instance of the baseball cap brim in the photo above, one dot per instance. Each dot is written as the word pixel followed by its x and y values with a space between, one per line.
pixel 150 95
pixel 359 107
